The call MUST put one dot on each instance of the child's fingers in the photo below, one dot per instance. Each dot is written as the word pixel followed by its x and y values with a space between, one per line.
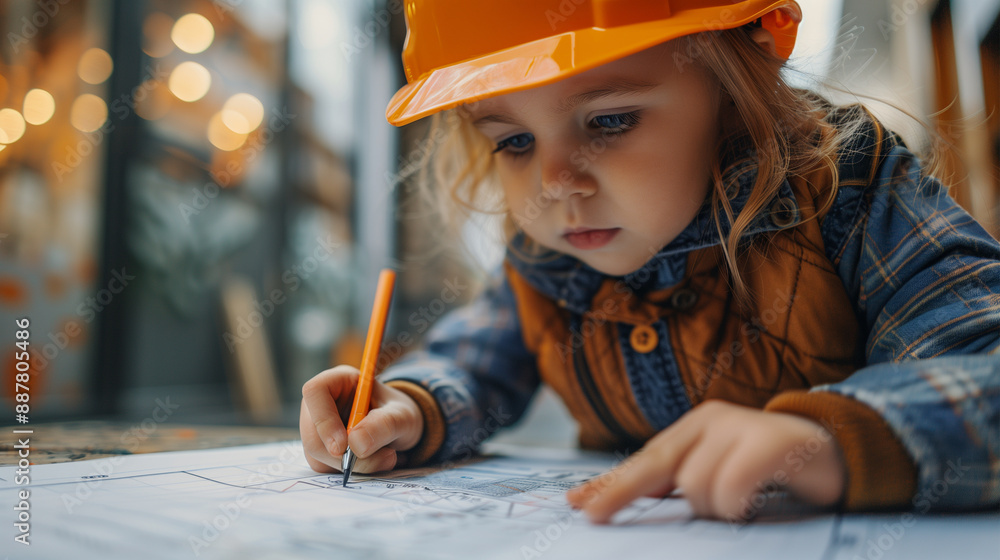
pixel 609 493
pixel 583 494
pixel 317 455
pixel 382 460
pixel 651 471
pixel 382 427
pixel 697 475
pixel 322 395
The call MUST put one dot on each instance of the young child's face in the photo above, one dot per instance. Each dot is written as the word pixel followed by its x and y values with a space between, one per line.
pixel 609 165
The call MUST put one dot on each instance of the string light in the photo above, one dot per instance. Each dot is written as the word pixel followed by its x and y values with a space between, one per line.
pixel 11 126
pixel 222 137
pixel 189 81
pixel 242 113
pixel 88 113
pixel 193 33
pixel 39 106
pixel 95 66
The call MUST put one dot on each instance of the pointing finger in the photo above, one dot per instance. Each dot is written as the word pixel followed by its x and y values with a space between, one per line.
pixel 650 471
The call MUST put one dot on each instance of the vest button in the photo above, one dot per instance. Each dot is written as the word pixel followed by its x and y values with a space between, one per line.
pixel 644 339
pixel 683 299
pixel 783 212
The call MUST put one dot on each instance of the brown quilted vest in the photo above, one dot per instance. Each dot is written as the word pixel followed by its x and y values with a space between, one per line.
pixel 799 331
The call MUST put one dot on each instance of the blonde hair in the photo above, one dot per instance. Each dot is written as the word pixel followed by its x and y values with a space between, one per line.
pixel 791 130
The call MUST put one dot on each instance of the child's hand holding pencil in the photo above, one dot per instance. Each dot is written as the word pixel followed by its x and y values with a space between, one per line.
pixel 394 423
pixel 382 420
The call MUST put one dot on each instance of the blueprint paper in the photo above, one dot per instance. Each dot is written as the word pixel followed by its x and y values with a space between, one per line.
pixel 264 501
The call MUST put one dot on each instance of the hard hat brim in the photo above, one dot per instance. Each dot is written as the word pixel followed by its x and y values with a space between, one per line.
pixel 553 58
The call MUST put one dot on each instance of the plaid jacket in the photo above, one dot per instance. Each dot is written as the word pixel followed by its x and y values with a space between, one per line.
pixel 914 393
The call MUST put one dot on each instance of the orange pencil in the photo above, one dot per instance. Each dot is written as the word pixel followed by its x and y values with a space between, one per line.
pixel 373 345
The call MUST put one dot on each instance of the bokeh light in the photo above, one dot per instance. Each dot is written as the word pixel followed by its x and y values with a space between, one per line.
pixel 223 137
pixel 190 81
pixel 95 66
pixel 88 113
pixel 39 106
pixel 156 35
pixel 11 126
pixel 242 113
pixel 193 33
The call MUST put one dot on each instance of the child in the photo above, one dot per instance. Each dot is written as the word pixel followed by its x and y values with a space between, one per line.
pixel 759 289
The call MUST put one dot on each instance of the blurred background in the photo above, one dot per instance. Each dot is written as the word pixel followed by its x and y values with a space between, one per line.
pixel 196 195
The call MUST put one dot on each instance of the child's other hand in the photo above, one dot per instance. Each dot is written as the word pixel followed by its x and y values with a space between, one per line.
pixel 393 423
pixel 721 455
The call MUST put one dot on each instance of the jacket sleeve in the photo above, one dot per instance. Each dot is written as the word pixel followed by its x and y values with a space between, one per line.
pixel 920 424
pixel 472 376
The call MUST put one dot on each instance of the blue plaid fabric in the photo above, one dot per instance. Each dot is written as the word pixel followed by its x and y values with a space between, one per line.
pixel 925 279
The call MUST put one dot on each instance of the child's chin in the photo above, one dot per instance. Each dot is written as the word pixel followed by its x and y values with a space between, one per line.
pixel 613 265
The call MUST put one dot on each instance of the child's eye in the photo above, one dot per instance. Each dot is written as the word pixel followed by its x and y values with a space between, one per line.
pixel 617 123
pixel 515 145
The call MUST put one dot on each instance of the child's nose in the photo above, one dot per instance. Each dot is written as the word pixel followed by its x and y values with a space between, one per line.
pixel 561 178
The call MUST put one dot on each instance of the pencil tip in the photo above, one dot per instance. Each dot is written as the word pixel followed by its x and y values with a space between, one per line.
pixel 347 464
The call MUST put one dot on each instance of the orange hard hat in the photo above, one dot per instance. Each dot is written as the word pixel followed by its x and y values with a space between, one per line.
pixel 459 51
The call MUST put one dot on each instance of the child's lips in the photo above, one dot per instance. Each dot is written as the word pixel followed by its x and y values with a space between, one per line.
pixel 590 238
